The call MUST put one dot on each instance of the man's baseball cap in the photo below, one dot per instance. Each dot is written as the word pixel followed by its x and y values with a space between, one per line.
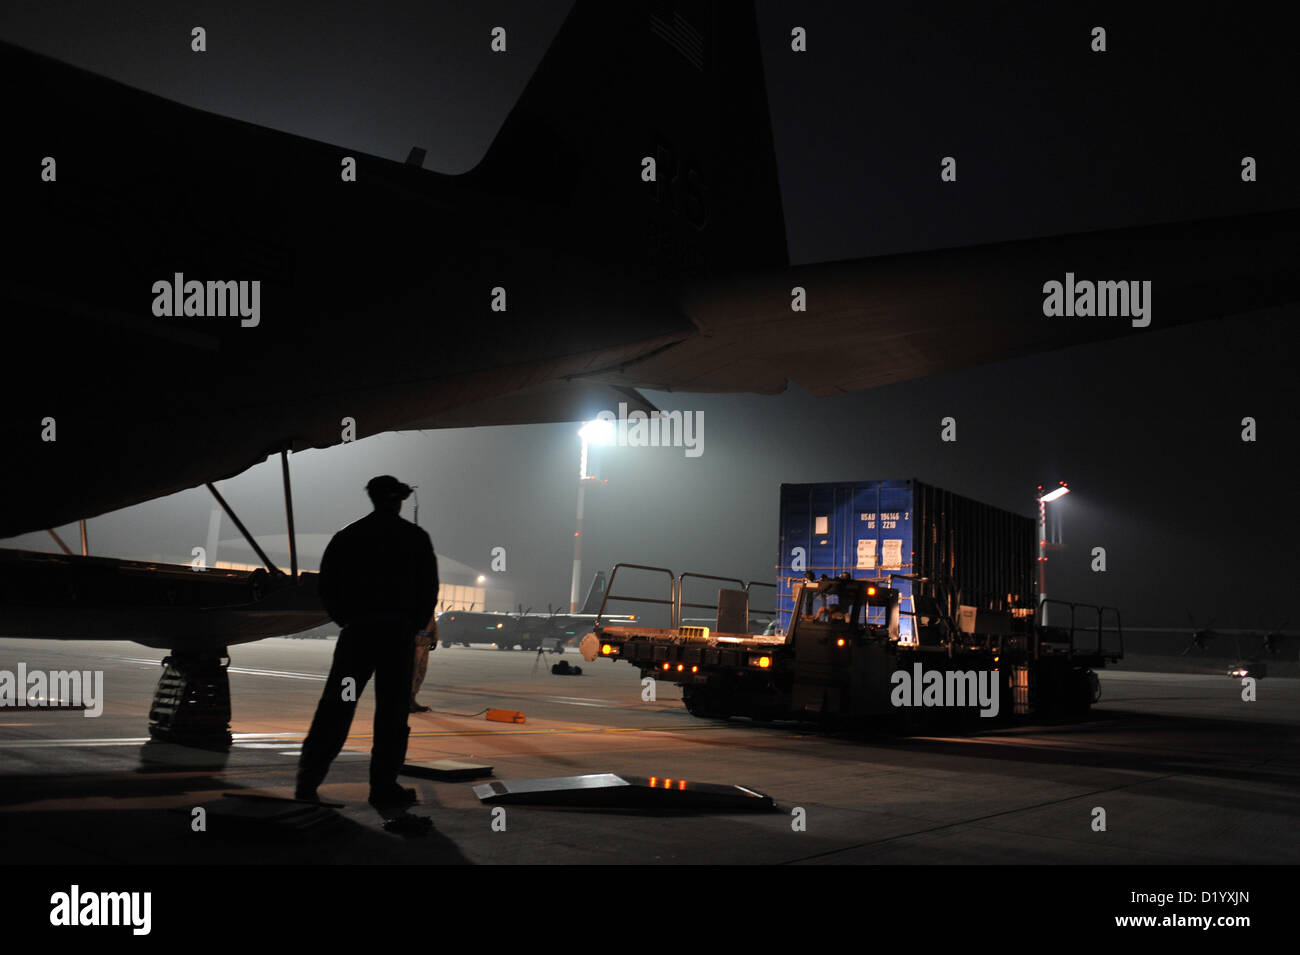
pixel 387 486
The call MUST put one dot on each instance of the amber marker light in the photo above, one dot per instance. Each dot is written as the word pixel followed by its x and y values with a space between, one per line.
pixel 665 666
pixel 607 649
pixel 839 642
pixel 764 662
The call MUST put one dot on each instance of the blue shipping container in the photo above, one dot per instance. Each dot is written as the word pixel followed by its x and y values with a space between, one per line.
pixel 875 529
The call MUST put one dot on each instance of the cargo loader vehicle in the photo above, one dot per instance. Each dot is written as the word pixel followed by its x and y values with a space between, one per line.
pixel 866 643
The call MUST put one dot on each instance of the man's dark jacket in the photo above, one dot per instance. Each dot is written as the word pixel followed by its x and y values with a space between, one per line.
pixel 379 570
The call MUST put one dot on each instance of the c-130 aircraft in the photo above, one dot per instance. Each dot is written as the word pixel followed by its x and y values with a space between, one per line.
pixel 552 630
pixel 615 280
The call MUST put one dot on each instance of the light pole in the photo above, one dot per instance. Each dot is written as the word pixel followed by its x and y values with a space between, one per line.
pixel 599 432
pixel 1043 499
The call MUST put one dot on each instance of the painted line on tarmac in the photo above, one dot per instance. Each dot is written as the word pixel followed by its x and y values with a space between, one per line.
pixel 299 737
pixel 135 741
pixel 546 731
pixel 586 699
pixel 249 671
pixel 55 743
pixel 551 699
pixel 573 730
pixel 284 674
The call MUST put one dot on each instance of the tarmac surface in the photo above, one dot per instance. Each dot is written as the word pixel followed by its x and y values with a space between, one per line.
pixel 1185 771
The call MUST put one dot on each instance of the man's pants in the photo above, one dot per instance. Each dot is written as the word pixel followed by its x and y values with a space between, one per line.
pixel 382 650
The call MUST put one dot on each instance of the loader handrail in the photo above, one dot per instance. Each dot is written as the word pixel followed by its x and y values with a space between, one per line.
pixel 762 583
pixel 1100 630
pixel 610 595
pixel 713 606
pixel 675 590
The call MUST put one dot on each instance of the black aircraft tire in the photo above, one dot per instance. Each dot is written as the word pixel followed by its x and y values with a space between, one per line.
pixel 1081 693
pixel 906 721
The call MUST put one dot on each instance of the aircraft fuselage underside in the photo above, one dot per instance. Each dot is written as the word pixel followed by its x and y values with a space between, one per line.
pixel 165 606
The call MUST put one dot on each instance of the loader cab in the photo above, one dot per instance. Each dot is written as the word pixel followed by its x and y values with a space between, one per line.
pixel 836 604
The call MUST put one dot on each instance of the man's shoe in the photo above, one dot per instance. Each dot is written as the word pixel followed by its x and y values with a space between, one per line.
pixel 418 707
pixel 392 796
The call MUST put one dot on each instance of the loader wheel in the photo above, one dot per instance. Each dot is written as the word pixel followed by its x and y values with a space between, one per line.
pixel 906 721
pixel 1095 685
pixel 705 703
pixel 1083 689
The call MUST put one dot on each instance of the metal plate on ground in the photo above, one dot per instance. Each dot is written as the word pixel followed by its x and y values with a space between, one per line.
pixel 616 791
pixel 446 769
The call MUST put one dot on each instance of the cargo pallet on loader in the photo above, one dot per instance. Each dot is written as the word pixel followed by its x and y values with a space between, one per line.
pixel 843 658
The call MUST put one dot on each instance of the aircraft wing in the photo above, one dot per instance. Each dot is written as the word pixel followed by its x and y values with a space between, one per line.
pixel 542 285
pixel 551 402
pixel 873 322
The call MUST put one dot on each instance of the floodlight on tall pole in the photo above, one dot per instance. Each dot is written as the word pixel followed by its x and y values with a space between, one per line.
pixel 599 432
pixel 1043 499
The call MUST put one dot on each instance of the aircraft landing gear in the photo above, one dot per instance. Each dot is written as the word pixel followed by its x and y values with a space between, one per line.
pixel 191 705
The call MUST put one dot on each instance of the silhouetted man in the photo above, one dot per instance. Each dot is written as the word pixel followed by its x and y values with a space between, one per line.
pixel 379 582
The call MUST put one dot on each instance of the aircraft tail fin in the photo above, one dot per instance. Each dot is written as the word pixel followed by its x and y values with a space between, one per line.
pixel 677 81
pixel 595 595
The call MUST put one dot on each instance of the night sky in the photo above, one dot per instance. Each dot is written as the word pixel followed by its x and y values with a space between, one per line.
pixel 1049 137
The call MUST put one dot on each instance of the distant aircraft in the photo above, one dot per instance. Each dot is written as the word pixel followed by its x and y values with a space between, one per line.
pixel 1211 644
pixel 550 282
pixel 526 630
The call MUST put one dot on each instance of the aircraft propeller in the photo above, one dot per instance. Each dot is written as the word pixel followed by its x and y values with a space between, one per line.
pixel 1201 636
pixel 1273 639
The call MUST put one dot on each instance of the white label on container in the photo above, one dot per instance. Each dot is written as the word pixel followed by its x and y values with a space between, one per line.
pixel 866 554
pixel 821 525
pixel 891 554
